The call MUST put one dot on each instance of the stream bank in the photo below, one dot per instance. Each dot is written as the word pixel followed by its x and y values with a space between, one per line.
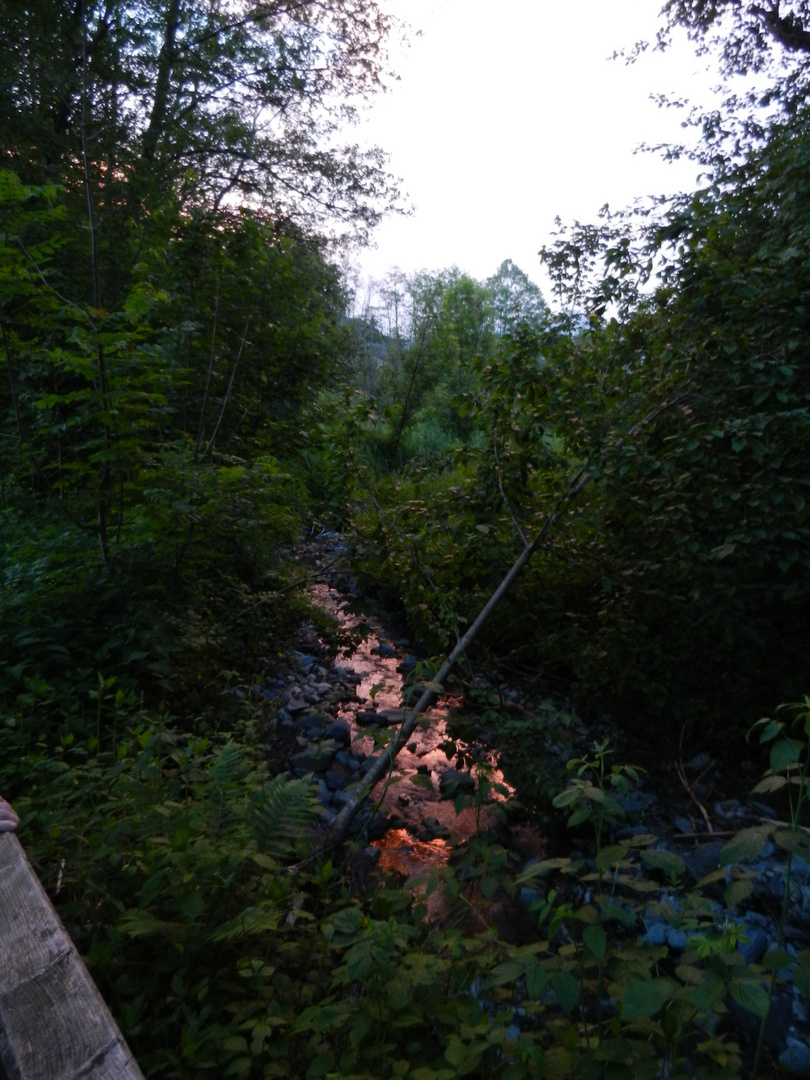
pixel 332 712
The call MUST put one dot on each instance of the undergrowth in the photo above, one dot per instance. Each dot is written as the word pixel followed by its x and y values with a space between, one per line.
pixel 227 945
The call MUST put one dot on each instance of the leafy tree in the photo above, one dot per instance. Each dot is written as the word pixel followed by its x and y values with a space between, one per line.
pixel 201 101
pixel 514 299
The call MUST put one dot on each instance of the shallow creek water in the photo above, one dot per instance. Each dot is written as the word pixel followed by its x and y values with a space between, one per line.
pixel 376 661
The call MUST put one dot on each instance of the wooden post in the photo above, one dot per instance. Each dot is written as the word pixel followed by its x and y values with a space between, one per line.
pixel 54 1024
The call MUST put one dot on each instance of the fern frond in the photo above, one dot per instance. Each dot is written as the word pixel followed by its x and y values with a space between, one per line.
pixel 228 766
pixel 283 811
pixel 260 919
pixel 137 923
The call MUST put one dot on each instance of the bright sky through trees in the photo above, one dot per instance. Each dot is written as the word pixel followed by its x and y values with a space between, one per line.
pixel 507 115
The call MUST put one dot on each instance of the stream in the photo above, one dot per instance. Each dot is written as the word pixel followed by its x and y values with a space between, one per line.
pixel 331 714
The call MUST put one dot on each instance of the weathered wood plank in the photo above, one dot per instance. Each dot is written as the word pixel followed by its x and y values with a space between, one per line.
pixel 54 1024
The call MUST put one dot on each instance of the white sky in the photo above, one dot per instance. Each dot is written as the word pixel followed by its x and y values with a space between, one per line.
pixel 510 113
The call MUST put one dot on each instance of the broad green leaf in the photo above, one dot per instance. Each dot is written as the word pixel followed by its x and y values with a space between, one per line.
pixel 746 845
pixel 464 1056
pixel 536 981
pixel 646 998
pixel 667 861
pixel 610 855
pixel 776 959
pixel 795 841
pixel 566 989
pixel 738 891
pixel 689 974
pixel 783 753
pixel 769 783
pixel 709 992
pixel 582 813
pixel 595 940
pixel 505 973
pixel 750 995
pixel 770 729
pixel 565 798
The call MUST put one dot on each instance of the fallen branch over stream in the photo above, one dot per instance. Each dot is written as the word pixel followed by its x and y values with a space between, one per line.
pixel 384 763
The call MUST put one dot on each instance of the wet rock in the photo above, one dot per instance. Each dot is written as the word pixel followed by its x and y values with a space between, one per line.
pixel 366 717
pixel 315 759
pixel 698 763
pixel 384 651
pixel 528 896
pixel 795 1059
pixel 340 732
pixel 295 704
pixel 755 948
pixel 454 782
pixel 703 859
pixel 411 747
pixel 423 770
pixel 336 780
pixel 406 666
pixel 391 716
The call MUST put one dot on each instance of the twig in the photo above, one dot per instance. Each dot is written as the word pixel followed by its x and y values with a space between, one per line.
pixel 693 797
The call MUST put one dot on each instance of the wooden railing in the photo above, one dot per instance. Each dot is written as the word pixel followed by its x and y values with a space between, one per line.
pixel 54 1024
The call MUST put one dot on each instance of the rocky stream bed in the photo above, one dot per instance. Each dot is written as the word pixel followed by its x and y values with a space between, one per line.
pixel 330 711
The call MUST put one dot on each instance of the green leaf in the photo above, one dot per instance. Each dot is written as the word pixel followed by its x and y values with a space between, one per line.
pixel 595 940
pixel 536 981
pixel 646 998
pixel 738 891
pixel 464 1056
pixel 582 813
pixel 506 972
pixel 566 990
pixel 769 784
pixel 610 855
pixel 785 752
pixel 746 845
pixel 795 841
pixel 750 995
pixel 776 960
pixel 709 992
pixel 667 861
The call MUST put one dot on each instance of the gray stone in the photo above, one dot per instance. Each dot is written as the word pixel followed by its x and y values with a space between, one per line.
pixel 676 939
pixel 366 717
pixel 698 763
pixel 656 934
pixel 528 896
pixel 703 860
pixel 795 1059
pixel 755 948
pixel 335 780
pixel 313 759
pixel 454 782
pixel 340 732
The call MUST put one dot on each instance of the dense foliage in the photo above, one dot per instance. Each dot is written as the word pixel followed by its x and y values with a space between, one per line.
pixel 187 387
